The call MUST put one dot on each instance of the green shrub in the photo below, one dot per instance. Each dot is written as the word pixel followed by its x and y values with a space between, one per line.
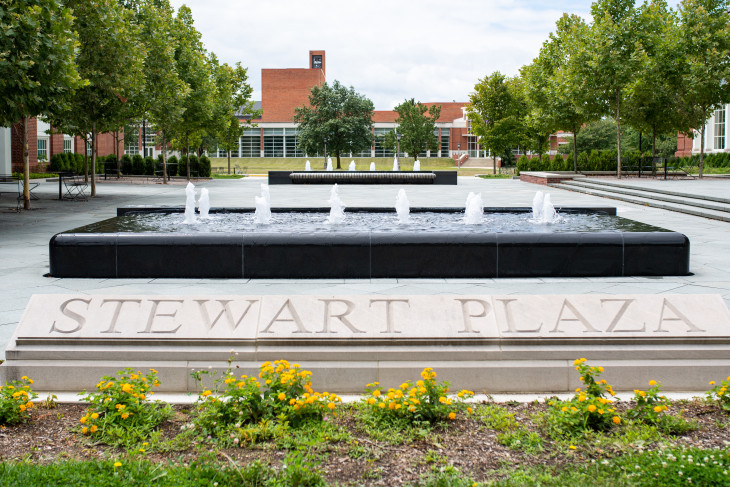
pixel 120 412
pixel 149 166
pixel 651 408
pixel 557 163
pixel 426 401
pixel 204 167
pixel 137 164
pixel 15 401
pixel 719 394
pixel 126 164
pixel 594 161
pixel 523 164
pixel 285 396
pixel 589 409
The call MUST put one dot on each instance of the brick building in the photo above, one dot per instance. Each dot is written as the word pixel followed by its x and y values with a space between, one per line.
pixel 717 133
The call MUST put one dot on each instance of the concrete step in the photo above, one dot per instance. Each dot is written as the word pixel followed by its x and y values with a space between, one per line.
pixel 699 201
pixel 646 200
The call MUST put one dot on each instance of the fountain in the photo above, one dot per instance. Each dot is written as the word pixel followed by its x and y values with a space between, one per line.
pixel 308 166
pixel 204 203
pixel 337 207
pixel 474 209
pixel 372 166
pixel 190 204
pixel 262 215
pixel 402 207
pixel 417 165
pixel 420 242
pixel 329 163
pixel 396 166
pixel 352 166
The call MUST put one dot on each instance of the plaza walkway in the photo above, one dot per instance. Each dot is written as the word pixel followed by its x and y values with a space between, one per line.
pixel 24 238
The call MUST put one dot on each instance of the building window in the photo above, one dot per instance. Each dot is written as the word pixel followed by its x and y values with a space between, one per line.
pixel 251 143
pixel 381 151
pixel 273 142
pixel 68 145
pixel 42 149
pixel 720 129
pixel 151 140
pixel 132 147
pixel 445 142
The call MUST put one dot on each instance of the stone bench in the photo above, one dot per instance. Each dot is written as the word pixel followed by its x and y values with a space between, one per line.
pixel 362 177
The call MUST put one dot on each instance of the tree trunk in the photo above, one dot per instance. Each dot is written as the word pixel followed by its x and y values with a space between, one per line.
pixel 116 152
pixel 164 160
pixel 26 164
pixel 494 163
pixel 575 150
pixel 702 147
pixel 338 158
pixel 86 158
pixel 93 159
pixel 618 133
pixel 229 160
pixel 187 144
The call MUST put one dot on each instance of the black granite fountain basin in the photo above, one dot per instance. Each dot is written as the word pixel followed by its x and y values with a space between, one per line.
pixel 102 250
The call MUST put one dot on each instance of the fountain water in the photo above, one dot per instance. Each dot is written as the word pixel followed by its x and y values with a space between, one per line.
pixel 190 203
pixel 396 166
pixel 543 210
pixel 372 166
pixel 308 166
pixel 474 209
pixel 417 165
pixel 262 215
pixel 352 165
pixel 329 163
pixel 204 203
pixel 337 207
pixel 537 202
pixel 402 207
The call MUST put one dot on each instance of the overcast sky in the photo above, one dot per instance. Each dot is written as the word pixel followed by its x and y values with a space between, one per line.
pixel 387 50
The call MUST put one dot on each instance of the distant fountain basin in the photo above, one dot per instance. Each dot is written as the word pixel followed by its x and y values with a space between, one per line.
pixel 368 243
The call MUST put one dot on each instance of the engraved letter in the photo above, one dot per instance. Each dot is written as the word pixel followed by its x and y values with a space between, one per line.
pixel 620 313
pixel 511 326
pixel 233 323
pixel 342 316
pixel 679 317
pixel 389 326
pixel 576 313
pixel 154 314
pixel 81 320
pixel 294 318
pixel 486 308
pixel 117 311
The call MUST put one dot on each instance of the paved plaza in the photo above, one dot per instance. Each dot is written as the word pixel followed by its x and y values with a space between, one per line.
pixel 24 238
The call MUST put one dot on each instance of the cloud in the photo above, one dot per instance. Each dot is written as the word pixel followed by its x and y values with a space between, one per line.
pixel 388 50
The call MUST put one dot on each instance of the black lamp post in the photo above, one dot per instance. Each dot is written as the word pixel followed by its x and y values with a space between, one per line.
pixel 325 153
pixel 397 151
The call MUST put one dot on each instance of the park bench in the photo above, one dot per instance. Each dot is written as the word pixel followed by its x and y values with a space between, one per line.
pixel 362 177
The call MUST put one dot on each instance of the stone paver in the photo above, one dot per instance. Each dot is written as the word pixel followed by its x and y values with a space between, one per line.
pixel 24 240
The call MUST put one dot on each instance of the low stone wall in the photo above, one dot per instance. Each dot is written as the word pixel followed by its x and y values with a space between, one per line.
pixel 546 178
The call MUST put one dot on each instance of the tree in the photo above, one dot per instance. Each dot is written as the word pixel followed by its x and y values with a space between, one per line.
pixel 106 36
pixel 164 92
pixel 232 99
pixel 195 71
pixel 37 65
pixel 612 61
pixel 651 97
pixel 339 114
pixel 494 114
pixel 705 37
pixel 558 92
pixel 416 125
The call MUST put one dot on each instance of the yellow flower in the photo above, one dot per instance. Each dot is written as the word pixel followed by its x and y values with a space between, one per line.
pixel 119 407
pixel 573 447
pixel 616 419
pixel 391 405
pixel 82 420
pixel 381 405
pixel 127 388
pixel 591 408
pixel 84 430
pixel 712 382
pixel 581 398
pixel 22 407
pixel 206 393
pixel 469 410
pixel 452 415
pixel 442 399
pixel 93 429
pixel 95 416
pixel 124 416
pixel 652 382
pixel 412 408
pixel 600 369
pixel 371 400
pixel 281 396
pixel 331 406
pixel 134 376
pixel 376 393
pixel 658 409
pixel 117 464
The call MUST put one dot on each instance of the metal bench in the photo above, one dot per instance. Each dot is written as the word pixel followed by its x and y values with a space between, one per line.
pixel 362 177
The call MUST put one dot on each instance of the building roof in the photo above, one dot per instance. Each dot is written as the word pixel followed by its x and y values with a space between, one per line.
pixel 239 113
pixel 450 111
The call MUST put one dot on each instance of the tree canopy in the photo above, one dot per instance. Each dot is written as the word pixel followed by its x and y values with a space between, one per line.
pixel 416 126
pixel 337 114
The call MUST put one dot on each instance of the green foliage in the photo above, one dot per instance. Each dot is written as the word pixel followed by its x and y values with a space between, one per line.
pixel 338 114
pixel 589 409
pixel 119 411
pixel 496 417
pixel 719 393
pixel 445 476
pixel 649 405
pixel 426 401
pixel 204 167
pixel 15 401
pixel 286 396
pixel 416 125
